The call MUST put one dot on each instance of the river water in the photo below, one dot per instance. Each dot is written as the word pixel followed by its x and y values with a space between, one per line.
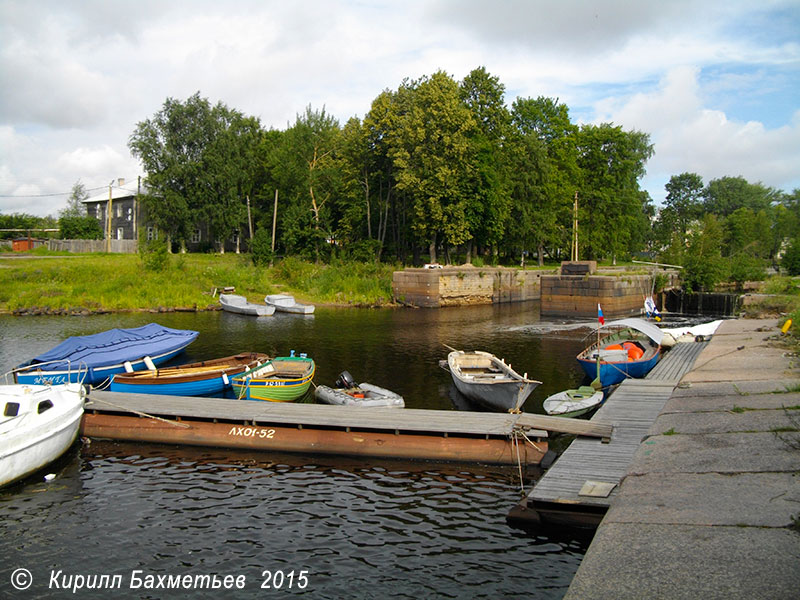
pixel 136 515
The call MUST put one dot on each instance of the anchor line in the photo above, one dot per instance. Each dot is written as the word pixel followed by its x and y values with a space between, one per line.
pixel 142 414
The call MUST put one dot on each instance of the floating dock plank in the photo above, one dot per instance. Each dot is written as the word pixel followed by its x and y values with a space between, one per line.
pixel 323 429
pixel 560 496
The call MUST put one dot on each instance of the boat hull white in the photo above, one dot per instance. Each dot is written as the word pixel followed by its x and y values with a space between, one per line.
pixel 573 403
pixel 287 304
pixel 30 440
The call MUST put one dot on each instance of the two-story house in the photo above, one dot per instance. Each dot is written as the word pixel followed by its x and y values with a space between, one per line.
pixel 128 217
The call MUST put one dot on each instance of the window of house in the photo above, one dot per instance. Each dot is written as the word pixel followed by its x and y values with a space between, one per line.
pixel 152 233
pixel 196 236
pixel 119 211
pixel 130 214
pixel 120 233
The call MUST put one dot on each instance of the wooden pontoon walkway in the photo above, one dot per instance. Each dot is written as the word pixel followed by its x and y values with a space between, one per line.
pixel 580 486
pixel 324 429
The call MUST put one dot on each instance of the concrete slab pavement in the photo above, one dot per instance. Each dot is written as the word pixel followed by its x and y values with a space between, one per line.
pixel 710 506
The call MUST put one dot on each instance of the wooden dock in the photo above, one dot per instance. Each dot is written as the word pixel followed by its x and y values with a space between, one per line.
pixel 581 485
pixel 496 438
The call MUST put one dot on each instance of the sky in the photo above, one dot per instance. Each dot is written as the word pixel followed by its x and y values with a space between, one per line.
pixel 715 83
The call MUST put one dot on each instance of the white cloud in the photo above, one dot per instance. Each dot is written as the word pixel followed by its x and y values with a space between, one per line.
pixel 689 137
pixel 692 74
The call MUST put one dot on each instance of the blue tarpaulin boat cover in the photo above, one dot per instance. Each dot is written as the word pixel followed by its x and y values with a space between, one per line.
pixel 114 346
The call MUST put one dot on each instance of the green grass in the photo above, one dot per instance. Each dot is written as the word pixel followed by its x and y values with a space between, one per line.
pixel 119 282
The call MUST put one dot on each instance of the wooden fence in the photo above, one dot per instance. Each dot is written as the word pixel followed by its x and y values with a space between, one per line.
pixel 88 246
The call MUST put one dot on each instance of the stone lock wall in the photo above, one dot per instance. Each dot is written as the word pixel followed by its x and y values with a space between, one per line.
pixel 577 295
pixel 464 285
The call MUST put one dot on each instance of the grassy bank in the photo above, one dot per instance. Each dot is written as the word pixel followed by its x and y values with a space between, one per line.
pixel 119 282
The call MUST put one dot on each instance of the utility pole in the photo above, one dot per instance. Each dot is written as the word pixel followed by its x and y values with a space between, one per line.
pixel 574 255
pixel 108 219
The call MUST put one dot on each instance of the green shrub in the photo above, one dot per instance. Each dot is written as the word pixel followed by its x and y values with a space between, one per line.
pixel 791 258
pixel 261 248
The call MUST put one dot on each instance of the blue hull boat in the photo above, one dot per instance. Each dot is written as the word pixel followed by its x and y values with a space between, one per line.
pixel 204 378
pixel 93 359
pixel 632 349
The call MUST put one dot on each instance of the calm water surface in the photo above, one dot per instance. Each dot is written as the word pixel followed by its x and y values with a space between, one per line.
pixel 363 528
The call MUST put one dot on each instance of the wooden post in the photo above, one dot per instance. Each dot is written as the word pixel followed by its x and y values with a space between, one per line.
pixel 274 219
pixel 249 218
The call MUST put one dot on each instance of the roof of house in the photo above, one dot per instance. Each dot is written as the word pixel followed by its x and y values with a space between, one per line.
pixel 125 190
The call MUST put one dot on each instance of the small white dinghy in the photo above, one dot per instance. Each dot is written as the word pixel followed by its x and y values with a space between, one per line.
pixel 240 305
pixel 347 393
pixel 573 403
pixel 286 303
pixel 37 425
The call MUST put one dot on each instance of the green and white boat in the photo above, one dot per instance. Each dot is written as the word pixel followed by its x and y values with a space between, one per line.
pixel 282 379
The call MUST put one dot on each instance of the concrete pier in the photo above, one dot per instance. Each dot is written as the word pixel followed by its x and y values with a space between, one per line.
pixel 710 505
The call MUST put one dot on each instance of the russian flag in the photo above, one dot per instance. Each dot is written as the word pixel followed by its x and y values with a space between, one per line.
pixel 600 316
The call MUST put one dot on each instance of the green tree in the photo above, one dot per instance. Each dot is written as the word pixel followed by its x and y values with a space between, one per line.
pixel 791 258
pixel 431 155
pixel 199 165
pixel 75 206
pixel 545 174
pixel 613 209
pixel 682 207
pixel 309 175
pixel 704 265
pixel 725 195
pixel 488 201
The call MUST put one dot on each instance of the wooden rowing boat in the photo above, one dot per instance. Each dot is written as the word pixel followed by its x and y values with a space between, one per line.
pixel 489 381
pixel 204 378
pixel 282 379
pixel 573 403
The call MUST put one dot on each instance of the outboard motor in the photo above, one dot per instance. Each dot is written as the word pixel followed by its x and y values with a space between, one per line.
pixel 345 381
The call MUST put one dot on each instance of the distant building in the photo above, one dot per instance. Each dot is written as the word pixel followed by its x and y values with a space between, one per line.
pixel 122 202
pixel 128 217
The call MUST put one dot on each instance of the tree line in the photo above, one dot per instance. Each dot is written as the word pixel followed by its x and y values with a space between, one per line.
pixel 434 169
pixel 445 170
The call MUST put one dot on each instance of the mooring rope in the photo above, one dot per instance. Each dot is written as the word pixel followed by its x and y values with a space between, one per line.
pixel 141 414
pixel 519 464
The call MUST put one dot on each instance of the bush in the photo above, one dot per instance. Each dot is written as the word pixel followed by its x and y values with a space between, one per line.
pixel 154 254
pixel 261 248
pixel 744 267
pixel 791 258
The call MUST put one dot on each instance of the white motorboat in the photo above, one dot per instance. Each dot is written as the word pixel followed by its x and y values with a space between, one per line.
pixel 38 424
pixel 286 303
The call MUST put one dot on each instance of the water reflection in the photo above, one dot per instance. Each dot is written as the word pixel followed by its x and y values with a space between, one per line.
pixel 362 528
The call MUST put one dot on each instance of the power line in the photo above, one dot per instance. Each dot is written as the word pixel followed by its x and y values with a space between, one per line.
pixel 95 189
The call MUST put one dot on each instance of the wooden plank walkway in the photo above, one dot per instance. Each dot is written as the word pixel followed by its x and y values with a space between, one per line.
pixel 321 415
pixel 631 409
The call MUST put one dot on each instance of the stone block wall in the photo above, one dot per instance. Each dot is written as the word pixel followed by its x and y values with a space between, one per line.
pixel 576 295
pixel 463 286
